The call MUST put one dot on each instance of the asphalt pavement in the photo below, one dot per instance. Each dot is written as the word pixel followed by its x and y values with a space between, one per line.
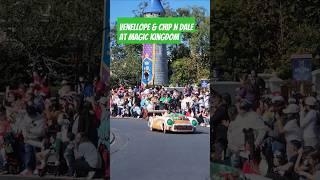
pixel 139 154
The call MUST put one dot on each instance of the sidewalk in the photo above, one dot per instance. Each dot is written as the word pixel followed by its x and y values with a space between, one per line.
pixel 34 177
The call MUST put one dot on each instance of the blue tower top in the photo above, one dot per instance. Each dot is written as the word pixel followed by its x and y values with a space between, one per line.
pixel 154 6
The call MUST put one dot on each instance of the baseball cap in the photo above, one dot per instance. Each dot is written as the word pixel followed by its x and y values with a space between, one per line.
pixel 64 82
pixel 311 101
pixel 292 100
pixel 292 108
pixel 277 99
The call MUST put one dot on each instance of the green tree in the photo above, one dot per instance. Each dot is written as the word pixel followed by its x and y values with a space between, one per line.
pixel 58 37
pixel 183 72
pixel 262 35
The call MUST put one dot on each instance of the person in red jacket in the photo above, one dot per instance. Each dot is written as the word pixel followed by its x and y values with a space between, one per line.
pixel 44 89
pixel 99 87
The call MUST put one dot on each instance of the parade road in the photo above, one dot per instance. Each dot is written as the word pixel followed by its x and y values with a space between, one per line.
pixel 140 154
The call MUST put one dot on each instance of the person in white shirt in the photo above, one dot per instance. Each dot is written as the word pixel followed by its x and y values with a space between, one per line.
pixel 120 105
pixel 87 157
pixel 184 104
pixel 189 101
pixel 136 111
pixel 290 129
pixel 206 101
pixel 201 101
pixel 247 118
pixel 33 132
pixel 308 120
pixel 150 105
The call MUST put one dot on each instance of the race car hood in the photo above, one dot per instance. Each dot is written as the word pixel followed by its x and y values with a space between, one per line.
pixel 182 122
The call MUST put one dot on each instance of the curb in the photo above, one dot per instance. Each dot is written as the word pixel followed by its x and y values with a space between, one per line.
pixel 125 118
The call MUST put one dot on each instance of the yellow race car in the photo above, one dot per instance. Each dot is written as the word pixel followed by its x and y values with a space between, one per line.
pixel 172 122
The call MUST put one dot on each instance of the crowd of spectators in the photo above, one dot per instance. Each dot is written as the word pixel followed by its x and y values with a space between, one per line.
pixel 63 133
pixel 267 134
pixel 136 102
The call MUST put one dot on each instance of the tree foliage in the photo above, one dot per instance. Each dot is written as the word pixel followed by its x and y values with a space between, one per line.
pixel 57 38
pixel 182 70
pixel 262 35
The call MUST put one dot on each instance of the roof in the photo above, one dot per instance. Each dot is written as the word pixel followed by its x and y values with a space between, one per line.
pixel 154 6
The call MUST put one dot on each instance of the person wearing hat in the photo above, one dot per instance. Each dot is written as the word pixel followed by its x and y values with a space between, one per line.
pixel 274 110
pixel 290 129
pixel 292 100
pixel 308 122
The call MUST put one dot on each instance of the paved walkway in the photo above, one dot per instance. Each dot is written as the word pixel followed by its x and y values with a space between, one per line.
pixel 47 177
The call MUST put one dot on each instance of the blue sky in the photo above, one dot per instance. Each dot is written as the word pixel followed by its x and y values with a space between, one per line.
pixel 124 8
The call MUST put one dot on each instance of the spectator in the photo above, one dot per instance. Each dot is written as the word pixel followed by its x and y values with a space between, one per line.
pixel 246 119
pixel 219 122
pixel 136 111
pixel 80 86
pixel 287 169
pixel 4 128
pixel 87 158
pixel 308 122
pixel 32 133
pixel 310 169
pixel 104 136
pixel 35 118
pixel 99 87
pixel 291 129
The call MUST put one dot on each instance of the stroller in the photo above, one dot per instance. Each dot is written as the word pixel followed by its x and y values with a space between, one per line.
pixel 11 146
pixel 55 164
